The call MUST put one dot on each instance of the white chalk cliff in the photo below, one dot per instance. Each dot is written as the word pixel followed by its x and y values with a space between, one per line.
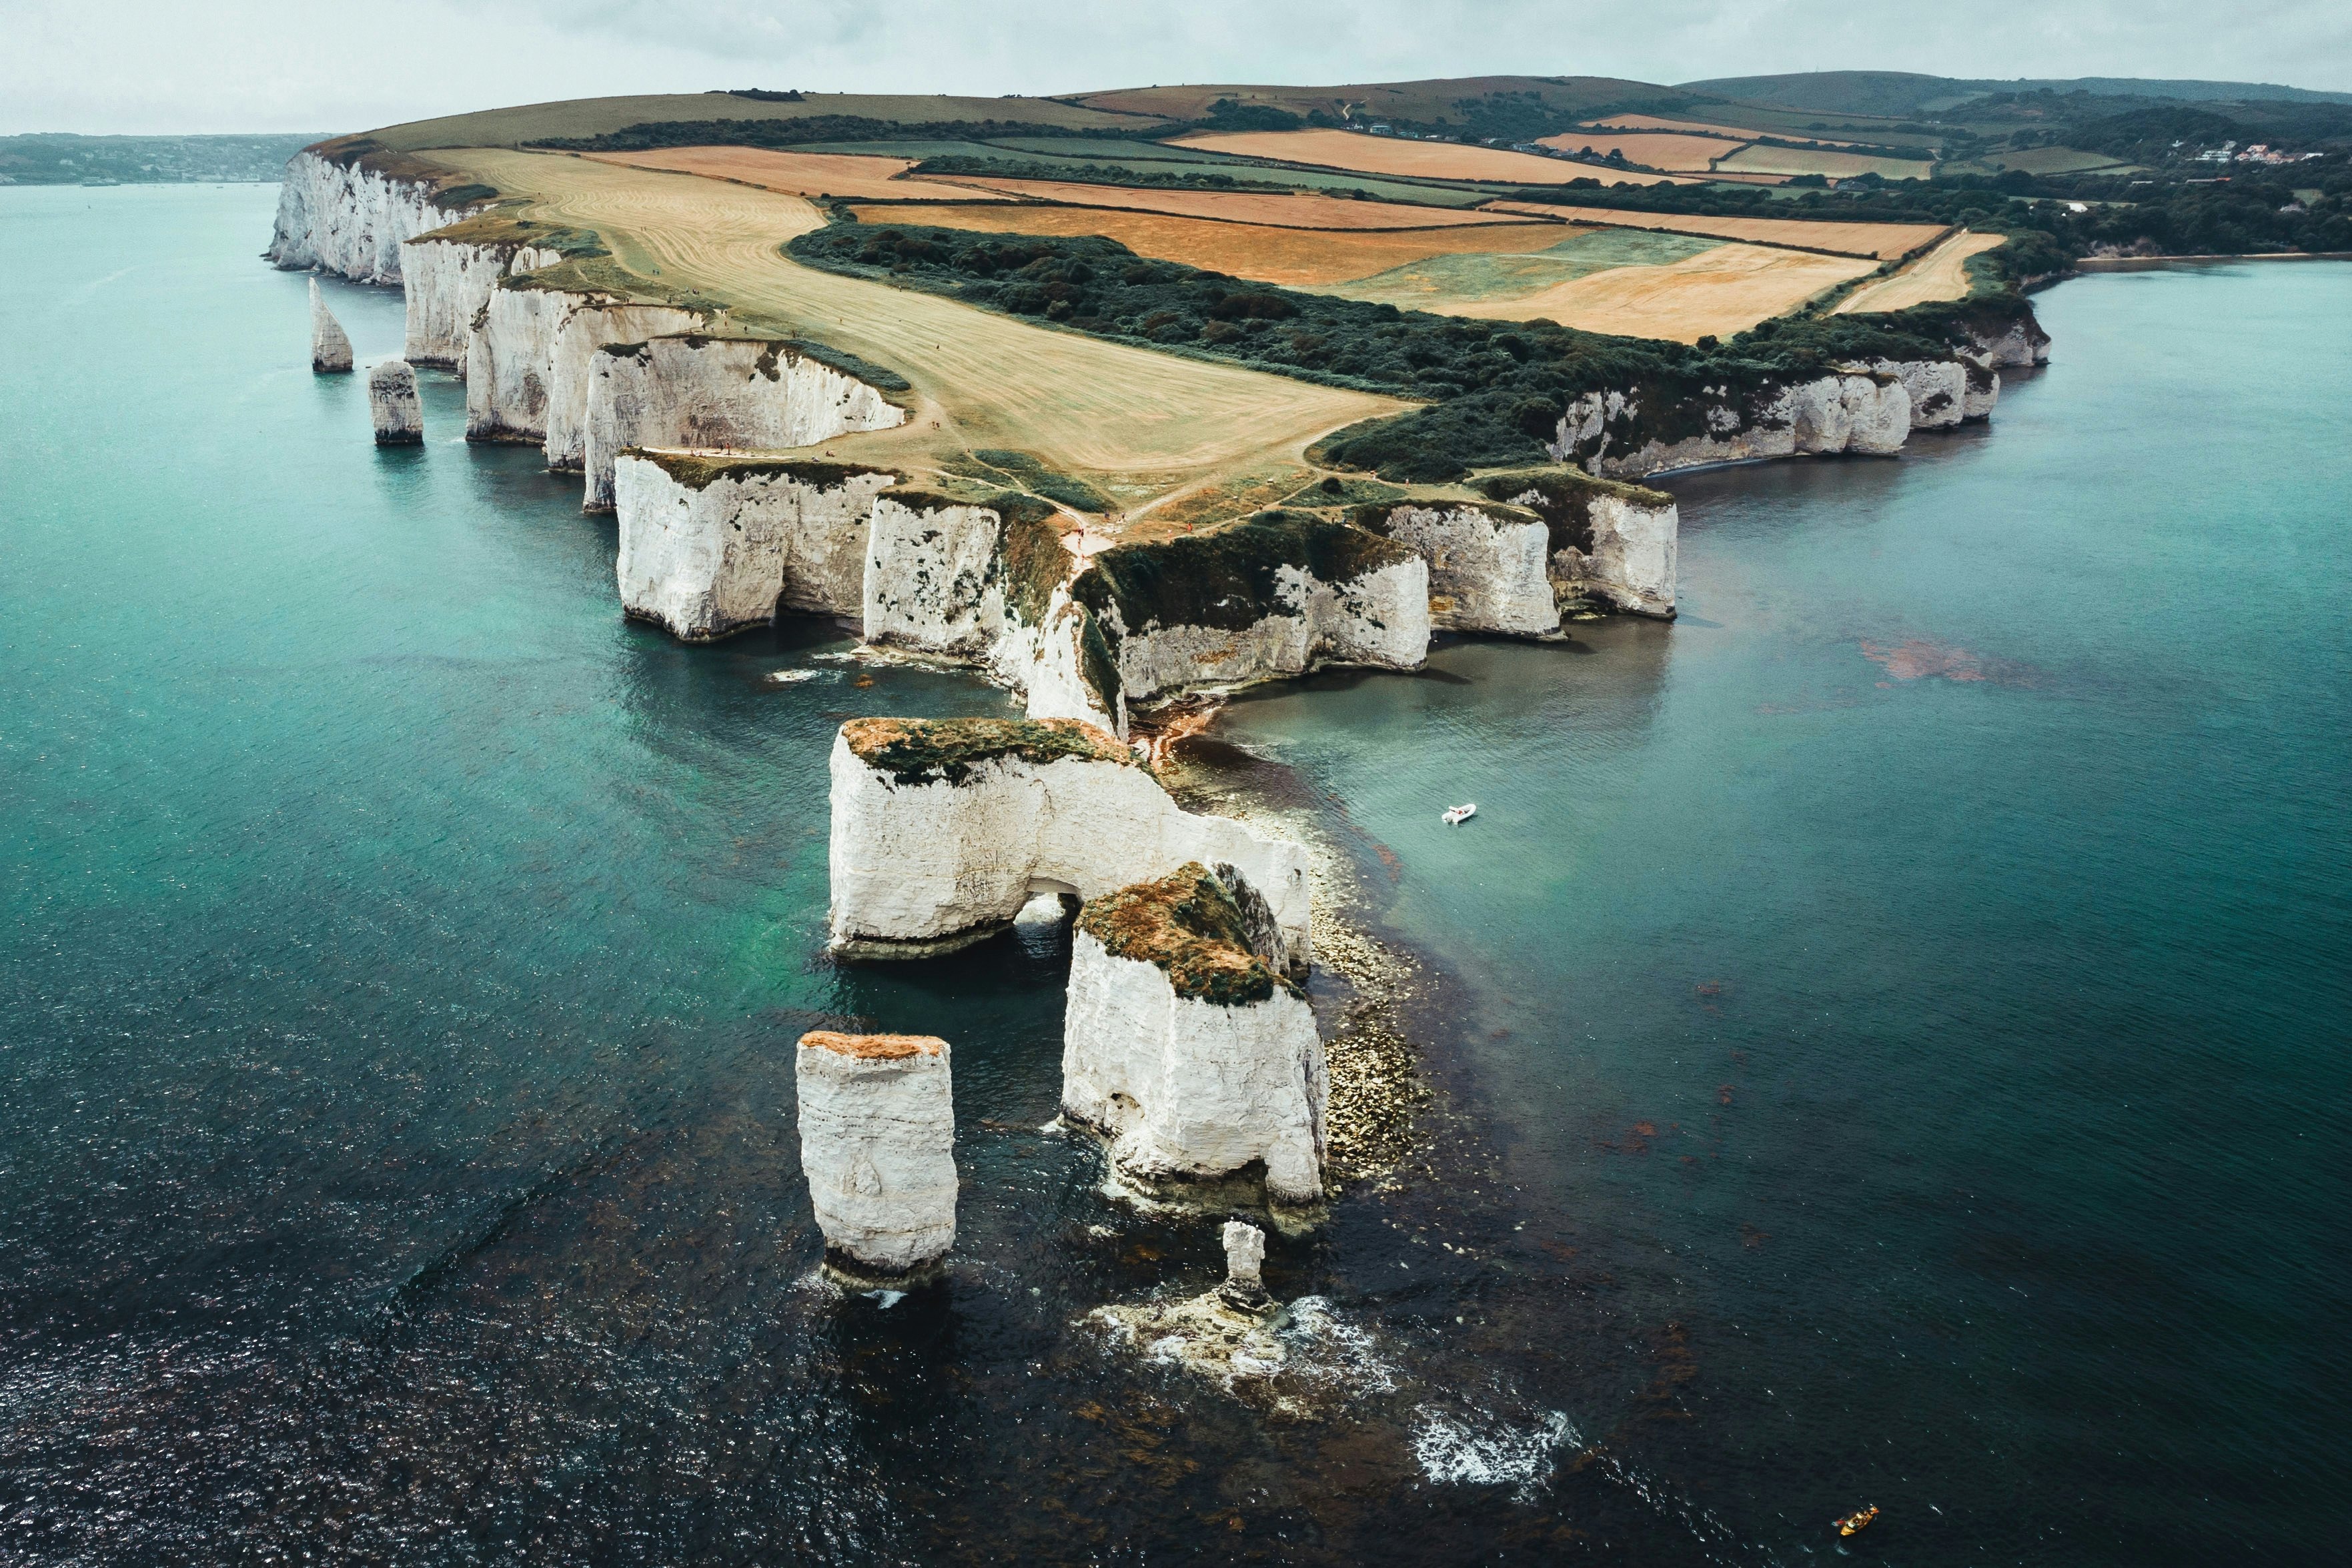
pixel 943 829
pixel 1490 569
pixel 1856 412
pixel 529 359
pixel 393 406
pixel 878 1146
pixel 340 216
pixel 707 393
pixel 1186 1050
pixel 709 550
pixel 330 351
pixel 447 280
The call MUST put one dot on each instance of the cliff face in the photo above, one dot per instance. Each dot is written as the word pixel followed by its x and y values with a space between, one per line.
pixel 347 218
pixel 1938 389
pixel 707 550
pixel 528 361
pixel 1856 412
pixel 447 282
pixel 1273 597
pixel 1185 1049
pixel 727 393
pixel 1489 568
pixel 942 830
pixel 878 1146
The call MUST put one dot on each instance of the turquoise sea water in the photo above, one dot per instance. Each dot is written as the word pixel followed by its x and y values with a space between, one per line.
pixel 1894 1017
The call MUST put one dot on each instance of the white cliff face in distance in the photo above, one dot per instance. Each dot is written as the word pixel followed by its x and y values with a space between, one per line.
pixel 330 351
pixel 1184 1049
pixel 878 1146
pixel 528 361
pixel 943 829
pixel 348 219
pixel 392 404
pixel 1847 412
pixel 706 394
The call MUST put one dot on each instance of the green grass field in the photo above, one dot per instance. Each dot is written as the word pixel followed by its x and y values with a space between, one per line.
pixel 602 116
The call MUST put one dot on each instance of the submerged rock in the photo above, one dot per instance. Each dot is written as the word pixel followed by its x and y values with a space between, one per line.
pixel 878 1146
pixel 943 828
pixel 1185 1050
pixel 392 404
pixel 330 351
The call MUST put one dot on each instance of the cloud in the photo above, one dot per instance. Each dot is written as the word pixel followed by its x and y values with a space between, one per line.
pixel 258 64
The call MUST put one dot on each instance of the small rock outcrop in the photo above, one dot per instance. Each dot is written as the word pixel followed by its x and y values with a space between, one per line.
pixel 330 351
pixel 701 391
pixel 878 1146
pixel 943 828
pixel 1185 1050
pixel 392 404
pixel 1245 1255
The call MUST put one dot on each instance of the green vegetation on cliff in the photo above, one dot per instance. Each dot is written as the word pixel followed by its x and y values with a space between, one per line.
pixel 924 750
pixel 1188 925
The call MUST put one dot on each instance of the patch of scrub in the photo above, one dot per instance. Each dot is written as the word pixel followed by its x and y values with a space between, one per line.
pixel 1484 275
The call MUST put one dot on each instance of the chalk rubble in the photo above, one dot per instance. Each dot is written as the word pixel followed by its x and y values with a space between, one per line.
pixel 878 1146
pixel 330 351
pixel 943 828
pixel 392 404
pixel 1184 1049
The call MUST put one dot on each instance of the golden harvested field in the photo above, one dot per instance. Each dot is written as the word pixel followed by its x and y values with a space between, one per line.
pixel 1809 160
pixel 1143 425
pixel 1299 210
pixel 1395 155
pixel 1724 289
pixel 1941 274
pixel 797 173
pixel 1299 258
pixel 1881 242
pixel 1686 154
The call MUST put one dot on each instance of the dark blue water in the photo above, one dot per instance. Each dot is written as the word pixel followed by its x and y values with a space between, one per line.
pixel 1891 1022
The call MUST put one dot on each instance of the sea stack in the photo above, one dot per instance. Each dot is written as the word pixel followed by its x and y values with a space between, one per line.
pixel 943 828
pixel 878 1146
pixel 1184 1047
pixel 1244 1289
pixel 392 403
pixel 331 352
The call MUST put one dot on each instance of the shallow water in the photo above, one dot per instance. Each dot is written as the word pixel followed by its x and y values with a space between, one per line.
pixel 1893 1015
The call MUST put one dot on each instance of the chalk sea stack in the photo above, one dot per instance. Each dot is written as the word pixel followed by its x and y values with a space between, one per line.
pixel 393 405
pixel 878 1146
pixel 943 828
pixel 330 351
pixel 1184 1047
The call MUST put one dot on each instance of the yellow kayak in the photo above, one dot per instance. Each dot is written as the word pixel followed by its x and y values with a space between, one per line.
pixel 1854 1524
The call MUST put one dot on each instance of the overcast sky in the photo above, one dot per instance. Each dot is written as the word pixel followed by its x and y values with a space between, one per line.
pixel 96 65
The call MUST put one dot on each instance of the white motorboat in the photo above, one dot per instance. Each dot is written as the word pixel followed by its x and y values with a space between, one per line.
pixel 1455 816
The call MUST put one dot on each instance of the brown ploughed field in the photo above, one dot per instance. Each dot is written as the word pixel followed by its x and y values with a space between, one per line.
pixel 1395 155
pixel 1298 259
pixel 1300 210
pixel 796 173
pixel 1883 242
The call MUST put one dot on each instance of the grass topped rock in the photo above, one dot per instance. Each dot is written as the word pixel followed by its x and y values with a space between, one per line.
pixel 1186 1049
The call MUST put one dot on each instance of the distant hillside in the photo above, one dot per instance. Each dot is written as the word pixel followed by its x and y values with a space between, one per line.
pixel 1905 93
pixel 1514 106
pixel 58 158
